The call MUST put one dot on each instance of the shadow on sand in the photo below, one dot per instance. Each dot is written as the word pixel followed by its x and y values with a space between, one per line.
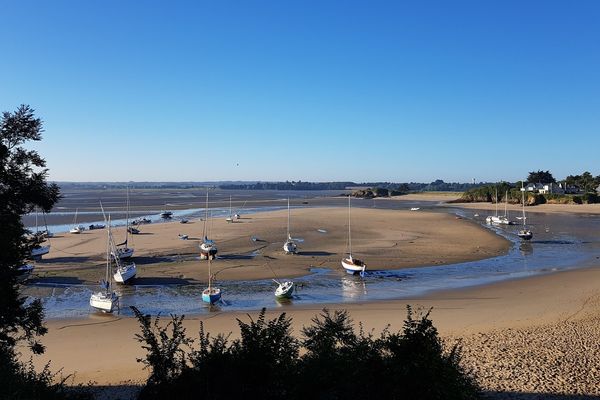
pixel 236 257
pixel 153 260
pixel 54 280
pixel 315 253
pixel 66 260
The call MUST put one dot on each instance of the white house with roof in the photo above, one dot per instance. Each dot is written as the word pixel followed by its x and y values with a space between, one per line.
pixel 551 188
pixel 534 187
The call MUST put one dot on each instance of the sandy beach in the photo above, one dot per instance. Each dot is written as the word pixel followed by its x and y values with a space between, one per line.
pixel 536 335
pixel 389 239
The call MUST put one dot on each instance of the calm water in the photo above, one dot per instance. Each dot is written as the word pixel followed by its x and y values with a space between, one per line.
pixel 560 242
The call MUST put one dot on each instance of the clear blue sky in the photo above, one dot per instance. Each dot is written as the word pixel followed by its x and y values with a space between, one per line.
pixel 310 90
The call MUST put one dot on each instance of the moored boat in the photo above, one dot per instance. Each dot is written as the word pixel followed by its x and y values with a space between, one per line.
pixel 211 294
pixel 284 290
pixel 350 264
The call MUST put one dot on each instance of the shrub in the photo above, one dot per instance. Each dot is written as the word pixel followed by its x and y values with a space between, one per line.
pixel 336 362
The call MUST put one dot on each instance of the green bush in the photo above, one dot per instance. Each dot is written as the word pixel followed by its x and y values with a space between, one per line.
pixel 591 198
pixel 336 362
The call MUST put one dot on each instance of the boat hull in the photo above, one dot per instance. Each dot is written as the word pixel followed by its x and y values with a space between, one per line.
pixel 208 251
pixel 76 230
pixel 284 290
pixel 38 252
pixel 125 273
pixel 354 266
pixel 525 235
pixel 290 247
pixel 104 302
pixel 211 296
pixel 123 252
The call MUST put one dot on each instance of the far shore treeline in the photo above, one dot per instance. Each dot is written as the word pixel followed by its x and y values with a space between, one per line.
pixel 574 189
pixel 435 186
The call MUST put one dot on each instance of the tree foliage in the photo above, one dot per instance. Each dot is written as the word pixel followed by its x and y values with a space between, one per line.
pixel 23 187
pixel 585 181
pixel 540 177
pixel 331 360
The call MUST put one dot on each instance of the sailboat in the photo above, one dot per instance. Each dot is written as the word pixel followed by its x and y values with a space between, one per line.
pixel 124 272
pixel 211 294
pixel 208 249
pixel 230 218
pixel 289 246
pixel 38 250
pixel 106 299
pixel 498 219
pixel 505 219
pixel 121 250
pixel 284 289
pixel 166 214
pixel 352 265
pixel 524 233
pixel 237 214
pixel 77 229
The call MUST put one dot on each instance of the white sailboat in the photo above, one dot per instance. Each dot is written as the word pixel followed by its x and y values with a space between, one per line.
pixel 166 214
pixel 76 229
pixel 352 265
pixel 211 294
pixel 230 218
pixel 124 272
pixel 495 219
pixel 289 246
pixel 38 250
pixel 106 299
pixel 504 219
pixel 208 249
pixel 127 271
pixel 284 290
pixel 524 233
pixel 121 250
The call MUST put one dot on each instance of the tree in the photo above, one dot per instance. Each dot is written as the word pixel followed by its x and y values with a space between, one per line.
pixel 23 187
pixel 540 177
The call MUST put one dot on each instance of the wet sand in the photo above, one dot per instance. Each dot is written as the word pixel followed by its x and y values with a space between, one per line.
pixel 534 335
pixel 388 239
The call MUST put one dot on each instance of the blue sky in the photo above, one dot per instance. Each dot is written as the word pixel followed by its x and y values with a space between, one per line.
pixel 309 90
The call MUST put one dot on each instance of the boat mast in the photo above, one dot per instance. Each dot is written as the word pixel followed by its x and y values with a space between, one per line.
pixel 209 277
pixel 204 233
pixel 230 215
pixel 349 230
pixel 288 224
pixel 127 219
pixel 506 204
pixel 496 201
pixel 108 256
pixel 523 201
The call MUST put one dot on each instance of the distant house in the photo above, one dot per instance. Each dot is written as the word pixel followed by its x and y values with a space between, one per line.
pixel 534 187
pixel 570 189
pixel 551 188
